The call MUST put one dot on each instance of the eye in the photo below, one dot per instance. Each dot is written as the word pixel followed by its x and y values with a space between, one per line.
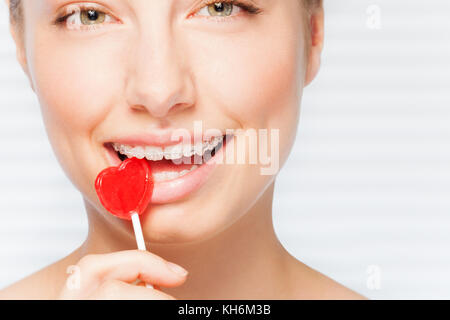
pixel 226 9
pixel 84 17
pixel 92 16
pixel 221 9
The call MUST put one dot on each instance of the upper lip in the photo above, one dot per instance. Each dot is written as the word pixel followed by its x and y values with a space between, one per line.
pixel 157 138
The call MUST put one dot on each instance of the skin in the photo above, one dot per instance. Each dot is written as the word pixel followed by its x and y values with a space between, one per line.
pixel 160 69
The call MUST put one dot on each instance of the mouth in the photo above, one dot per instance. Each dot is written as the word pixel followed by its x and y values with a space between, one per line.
pixel 177 170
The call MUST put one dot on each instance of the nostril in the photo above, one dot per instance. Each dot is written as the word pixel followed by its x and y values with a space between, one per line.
pixel 179 107
pixel 138 108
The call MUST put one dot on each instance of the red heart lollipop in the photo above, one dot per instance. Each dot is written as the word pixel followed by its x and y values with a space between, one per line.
pixel 126 189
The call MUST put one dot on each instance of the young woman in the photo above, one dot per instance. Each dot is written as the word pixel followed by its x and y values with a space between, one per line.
pixel 115 79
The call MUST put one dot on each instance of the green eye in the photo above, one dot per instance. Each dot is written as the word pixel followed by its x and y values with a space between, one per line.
pixel 221 9
pixel 91 16
pixel 84 17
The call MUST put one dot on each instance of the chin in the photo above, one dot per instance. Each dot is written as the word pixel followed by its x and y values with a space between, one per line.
pixel 179 225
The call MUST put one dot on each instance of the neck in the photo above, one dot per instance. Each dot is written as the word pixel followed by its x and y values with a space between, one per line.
pixel 246 261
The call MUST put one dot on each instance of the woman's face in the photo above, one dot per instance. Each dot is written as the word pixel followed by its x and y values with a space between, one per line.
pixel 129 73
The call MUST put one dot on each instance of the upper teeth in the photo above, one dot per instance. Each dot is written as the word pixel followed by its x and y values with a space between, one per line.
pixel 173 152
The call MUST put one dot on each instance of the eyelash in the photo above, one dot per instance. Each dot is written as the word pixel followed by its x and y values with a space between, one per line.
pixel 76 9
pixel 247 7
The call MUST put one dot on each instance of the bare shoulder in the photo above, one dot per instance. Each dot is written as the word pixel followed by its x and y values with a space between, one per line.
pixel 310 284
pixel 44 284
pixel 329 289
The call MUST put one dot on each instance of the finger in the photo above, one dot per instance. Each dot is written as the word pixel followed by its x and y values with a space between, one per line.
pixel 140 283
pixel 143 284
pixel 127 266
pixel 118 290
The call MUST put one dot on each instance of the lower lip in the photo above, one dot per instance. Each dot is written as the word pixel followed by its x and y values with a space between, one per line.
pixel 179 188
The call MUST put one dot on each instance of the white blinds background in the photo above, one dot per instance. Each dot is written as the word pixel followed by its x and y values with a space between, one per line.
pixel 365 194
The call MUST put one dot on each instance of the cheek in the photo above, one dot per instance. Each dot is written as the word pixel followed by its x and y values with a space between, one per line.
pixel 257 80
pixel 75 85
pixel 253 77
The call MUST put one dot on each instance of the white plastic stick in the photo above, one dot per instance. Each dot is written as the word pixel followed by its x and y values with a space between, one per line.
pixel 139 236
pixel 138 231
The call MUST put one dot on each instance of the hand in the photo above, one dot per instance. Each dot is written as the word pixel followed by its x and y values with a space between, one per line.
pixel 111 276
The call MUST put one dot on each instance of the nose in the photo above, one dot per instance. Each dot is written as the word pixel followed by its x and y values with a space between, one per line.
pixel 158 81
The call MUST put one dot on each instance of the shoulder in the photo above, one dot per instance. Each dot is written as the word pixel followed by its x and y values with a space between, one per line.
pixel 44 284
pixel 329 289
pixel 26 288
pixel 310 284
pixel 34 287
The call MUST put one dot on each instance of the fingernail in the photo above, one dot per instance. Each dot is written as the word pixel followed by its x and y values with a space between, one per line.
pixel 177 269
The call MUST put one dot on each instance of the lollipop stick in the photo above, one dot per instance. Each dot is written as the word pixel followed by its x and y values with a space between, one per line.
pixel 138 231
pixel 139 236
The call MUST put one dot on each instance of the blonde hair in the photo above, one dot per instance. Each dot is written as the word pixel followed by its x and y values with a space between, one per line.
pixel 312 3
pixel 15 11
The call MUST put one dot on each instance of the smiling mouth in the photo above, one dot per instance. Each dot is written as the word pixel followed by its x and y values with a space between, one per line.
pixel 171 162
